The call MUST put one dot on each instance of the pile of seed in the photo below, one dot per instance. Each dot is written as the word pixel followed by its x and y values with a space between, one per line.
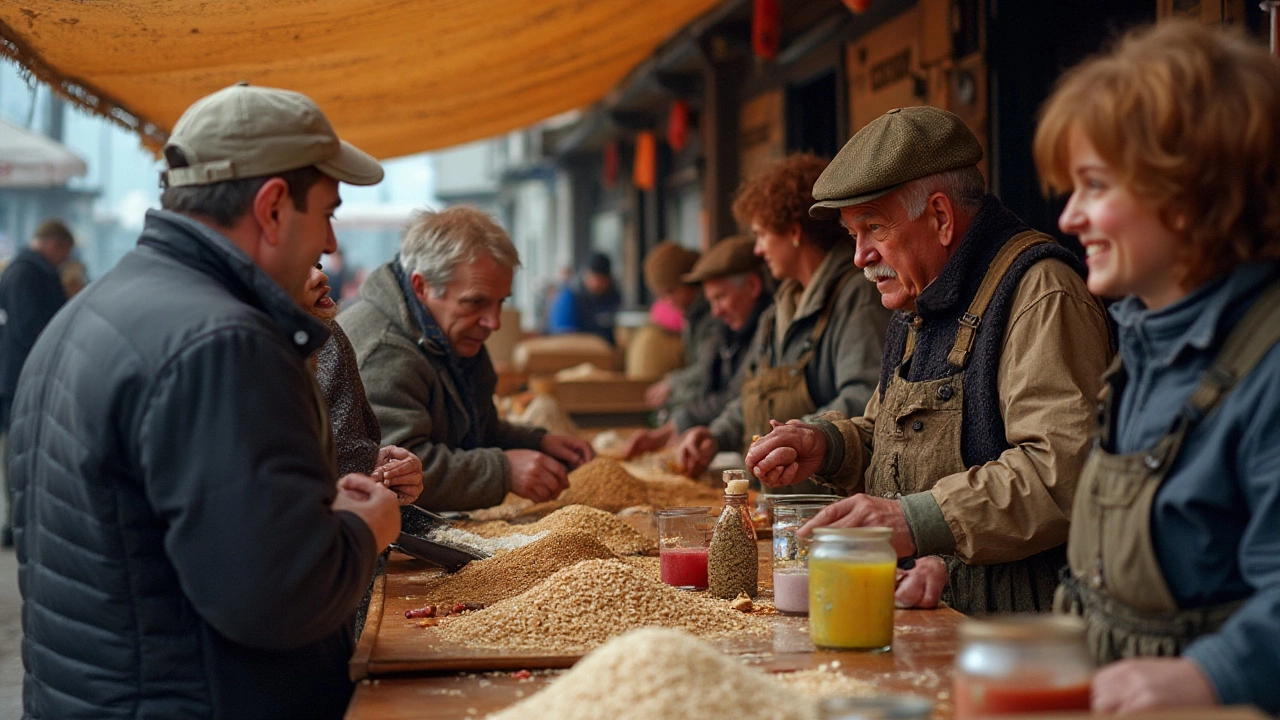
pixel 512 505
pixel 666 490
pixel 662 673
pixel 650 566
pixel 604 484
pixel 493 546
pixel 615 534
pixel 513 572
pixel 582 606
pixel 825 683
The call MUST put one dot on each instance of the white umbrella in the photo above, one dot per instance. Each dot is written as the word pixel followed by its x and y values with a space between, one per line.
pixel 31 160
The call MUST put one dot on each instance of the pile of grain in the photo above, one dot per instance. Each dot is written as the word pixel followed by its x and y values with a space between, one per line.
pixel 582 606
pixel 825 683
pixel 493 546
pixel 513 572
pixel 512 505
pixel 650 566
pixel 615 534
pixel 660 673
pixel 666 490
pixel 604 484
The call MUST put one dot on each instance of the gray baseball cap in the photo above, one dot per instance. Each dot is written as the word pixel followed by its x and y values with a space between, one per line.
pixel 245 131
pixel 902 145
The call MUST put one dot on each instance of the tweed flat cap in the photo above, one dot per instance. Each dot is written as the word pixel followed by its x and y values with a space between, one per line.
pixel 902 145
pixel 731 256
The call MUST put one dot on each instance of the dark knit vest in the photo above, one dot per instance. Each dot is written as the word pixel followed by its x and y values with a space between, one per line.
pixel 940 306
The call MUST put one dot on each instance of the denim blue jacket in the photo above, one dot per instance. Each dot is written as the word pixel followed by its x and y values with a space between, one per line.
pixel 1215 522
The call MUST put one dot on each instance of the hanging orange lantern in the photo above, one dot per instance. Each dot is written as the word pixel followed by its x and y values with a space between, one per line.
pixel 766 22
pixel 645 174
pixel 678 125
pixel 610 161
pixel 858 6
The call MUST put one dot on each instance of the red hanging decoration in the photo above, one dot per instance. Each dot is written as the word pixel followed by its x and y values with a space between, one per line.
pixel 766 22
pixel 645 173
pixel 678 125
pixel 858 6
pixel 610 161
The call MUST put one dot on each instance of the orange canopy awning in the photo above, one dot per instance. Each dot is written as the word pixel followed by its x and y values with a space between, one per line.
pixel 394 77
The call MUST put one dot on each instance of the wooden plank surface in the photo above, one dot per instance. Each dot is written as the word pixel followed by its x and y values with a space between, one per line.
pixel 920 661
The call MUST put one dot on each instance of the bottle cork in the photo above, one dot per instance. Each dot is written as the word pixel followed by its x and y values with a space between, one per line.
pixel 736 487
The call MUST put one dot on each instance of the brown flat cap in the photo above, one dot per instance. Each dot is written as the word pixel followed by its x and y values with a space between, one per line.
pixel 664 265
pixel 731 256
pixel 902 145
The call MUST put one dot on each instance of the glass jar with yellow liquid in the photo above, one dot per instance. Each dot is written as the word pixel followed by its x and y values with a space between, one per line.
pixel 851 582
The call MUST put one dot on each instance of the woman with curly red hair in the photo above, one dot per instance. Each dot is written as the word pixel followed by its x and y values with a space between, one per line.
pixel 1170 146
pixel 818 348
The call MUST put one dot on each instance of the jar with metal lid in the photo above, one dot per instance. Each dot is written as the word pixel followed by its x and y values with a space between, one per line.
pixel 791 555
pixel 852 572
pixel 1022 664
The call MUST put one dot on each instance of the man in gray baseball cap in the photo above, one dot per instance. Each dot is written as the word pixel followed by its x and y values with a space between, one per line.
pixel 971 446
pixel 174 455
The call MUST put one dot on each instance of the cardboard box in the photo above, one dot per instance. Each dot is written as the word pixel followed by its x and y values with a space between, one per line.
pixel 618 395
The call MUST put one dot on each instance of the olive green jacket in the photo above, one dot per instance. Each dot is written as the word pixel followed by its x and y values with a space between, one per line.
pixel 420 408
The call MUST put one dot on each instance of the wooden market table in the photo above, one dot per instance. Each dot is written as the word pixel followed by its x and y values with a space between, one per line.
pixel 401 677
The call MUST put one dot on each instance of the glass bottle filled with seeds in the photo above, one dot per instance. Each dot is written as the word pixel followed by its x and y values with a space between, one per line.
pixel 733 560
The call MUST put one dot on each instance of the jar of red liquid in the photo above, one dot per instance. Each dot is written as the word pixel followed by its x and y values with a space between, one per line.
pixel 684 538
pixel 1021 664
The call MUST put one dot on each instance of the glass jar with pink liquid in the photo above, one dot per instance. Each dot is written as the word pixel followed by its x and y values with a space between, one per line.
pixel 684 538
pixel 790 554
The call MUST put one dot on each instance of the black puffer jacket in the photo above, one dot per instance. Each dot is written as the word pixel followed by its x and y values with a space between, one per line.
pixel 178 555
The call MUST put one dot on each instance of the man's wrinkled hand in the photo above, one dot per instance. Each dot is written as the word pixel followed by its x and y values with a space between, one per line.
pixel 866 511
pixel 921 586
pixel 696 450
pixel 536 476
pixel 400 471
pixel 792 452
pixel 657 394
pixel 1151 683
pixel 645 441
pixel 571 450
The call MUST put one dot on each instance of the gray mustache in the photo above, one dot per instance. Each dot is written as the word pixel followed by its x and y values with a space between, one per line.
pixel 878 271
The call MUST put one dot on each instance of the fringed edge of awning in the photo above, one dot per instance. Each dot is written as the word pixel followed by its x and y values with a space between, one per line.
pixel 80 93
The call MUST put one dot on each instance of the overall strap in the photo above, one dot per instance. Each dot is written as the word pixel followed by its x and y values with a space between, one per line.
pixel 1245 347
pixel 969 322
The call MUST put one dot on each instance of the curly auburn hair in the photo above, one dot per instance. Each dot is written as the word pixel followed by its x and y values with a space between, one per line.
pixel 1189 120
pixel 779 198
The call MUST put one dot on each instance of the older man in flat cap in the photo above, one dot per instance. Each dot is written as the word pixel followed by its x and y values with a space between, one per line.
pixel 664 267
pixel 185 546
pixel 732 279
pixel 970 448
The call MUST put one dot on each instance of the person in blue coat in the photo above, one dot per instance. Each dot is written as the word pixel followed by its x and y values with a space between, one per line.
pixel 1170 145
pixel 588 304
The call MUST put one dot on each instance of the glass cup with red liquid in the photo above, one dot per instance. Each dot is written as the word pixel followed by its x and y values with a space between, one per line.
pixel 1021 664
pixel 684 537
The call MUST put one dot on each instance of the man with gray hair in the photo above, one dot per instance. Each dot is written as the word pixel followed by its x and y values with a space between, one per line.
pixel 419 339
pixel 971 446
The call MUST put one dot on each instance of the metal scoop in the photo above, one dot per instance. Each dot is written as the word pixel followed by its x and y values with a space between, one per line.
pixel 416 525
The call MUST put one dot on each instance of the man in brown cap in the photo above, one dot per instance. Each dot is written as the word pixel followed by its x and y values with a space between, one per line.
pixel 664 267
pixel 732 279
pixel 174 480
pixel 971 446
